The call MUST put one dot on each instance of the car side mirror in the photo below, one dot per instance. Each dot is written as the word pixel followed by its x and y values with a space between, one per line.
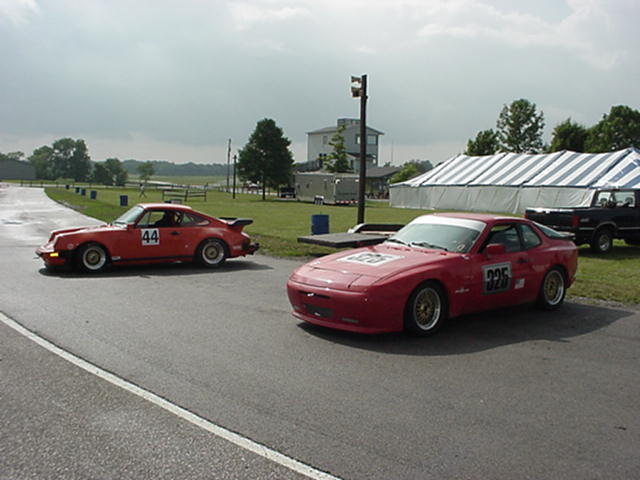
pixel 494 249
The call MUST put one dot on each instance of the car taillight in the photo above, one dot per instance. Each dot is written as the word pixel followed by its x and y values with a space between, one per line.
pixel 575 221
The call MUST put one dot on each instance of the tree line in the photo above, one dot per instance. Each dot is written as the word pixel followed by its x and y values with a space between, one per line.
pixel 265 159
pixel 520 125
pixel 69 159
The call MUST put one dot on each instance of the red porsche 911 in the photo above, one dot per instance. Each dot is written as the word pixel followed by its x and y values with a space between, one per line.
pixel 436 267
pixel 150 233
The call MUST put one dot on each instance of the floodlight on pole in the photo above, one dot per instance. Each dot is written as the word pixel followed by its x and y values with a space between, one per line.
pixel 360 91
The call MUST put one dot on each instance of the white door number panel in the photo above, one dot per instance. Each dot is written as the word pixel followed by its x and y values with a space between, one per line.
pixel 150 236
pixel 496 278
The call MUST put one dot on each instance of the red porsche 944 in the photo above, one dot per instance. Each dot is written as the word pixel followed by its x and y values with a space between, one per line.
pixel 436 267
pixel 150 233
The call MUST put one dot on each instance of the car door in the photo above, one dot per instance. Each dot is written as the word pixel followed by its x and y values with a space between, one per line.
pixel 156 237
pixel 502 276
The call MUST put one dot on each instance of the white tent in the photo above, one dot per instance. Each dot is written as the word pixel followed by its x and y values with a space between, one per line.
pixel 512 182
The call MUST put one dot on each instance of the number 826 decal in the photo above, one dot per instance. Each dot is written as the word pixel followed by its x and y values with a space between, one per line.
pixel 496 278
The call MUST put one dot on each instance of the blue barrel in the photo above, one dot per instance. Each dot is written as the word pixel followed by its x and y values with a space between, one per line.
pixel 83 191
pixel 93 194
pixel 77 189
pixel 124 200
pixel 66 187
pixel 319 224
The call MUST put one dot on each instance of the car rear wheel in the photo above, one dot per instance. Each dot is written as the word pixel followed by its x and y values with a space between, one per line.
pixel 552 290
pixel 91 258
pixel 211 253
pixel 426 310
pixel 602 241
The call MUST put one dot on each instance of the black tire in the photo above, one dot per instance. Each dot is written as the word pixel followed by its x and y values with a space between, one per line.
pixel 211 253
pixel 602 241
pixel 91 258
pixel 426 310
pixel 552 290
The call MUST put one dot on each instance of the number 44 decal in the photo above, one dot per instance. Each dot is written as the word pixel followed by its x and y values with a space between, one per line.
pixel 496 278
pixel 150 236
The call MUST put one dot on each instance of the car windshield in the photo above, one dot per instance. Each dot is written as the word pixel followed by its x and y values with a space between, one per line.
pixel 128 217
pixel 448 234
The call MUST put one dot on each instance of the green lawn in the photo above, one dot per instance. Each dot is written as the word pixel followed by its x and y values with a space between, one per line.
pixel 278 224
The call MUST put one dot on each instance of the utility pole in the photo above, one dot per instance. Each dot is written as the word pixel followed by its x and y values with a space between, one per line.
pixel 235 157
pixel 228 161
pixel 360 90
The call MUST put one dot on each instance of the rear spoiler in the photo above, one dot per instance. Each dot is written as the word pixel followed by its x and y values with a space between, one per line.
pixel 237 222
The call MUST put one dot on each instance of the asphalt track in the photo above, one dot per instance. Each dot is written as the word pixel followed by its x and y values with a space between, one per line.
pixel 507 394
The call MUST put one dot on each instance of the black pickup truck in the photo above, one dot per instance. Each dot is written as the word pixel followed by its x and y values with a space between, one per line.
pixel 612 214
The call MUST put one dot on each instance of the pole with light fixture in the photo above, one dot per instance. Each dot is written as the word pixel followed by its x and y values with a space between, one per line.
pixel 235 157
pixel 360 90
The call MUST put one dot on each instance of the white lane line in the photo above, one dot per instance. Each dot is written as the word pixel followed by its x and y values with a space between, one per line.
pixel 236 439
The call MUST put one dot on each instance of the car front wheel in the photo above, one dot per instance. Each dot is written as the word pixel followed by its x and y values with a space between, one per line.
pixel 211 253
pixel 552 290
pixel 426 310
pixel 91 258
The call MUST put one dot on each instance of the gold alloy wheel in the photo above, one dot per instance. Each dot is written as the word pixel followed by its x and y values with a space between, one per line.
pixel 427 308
pixel 553 287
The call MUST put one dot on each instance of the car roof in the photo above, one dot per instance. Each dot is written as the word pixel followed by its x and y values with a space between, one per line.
pixel 482 217
pixel 166 206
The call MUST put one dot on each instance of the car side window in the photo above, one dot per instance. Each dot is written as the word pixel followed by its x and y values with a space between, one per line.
pixel 145 220
pixel 506 235
pixel 530 238
pixel 193 220
pixel 605 199
pixel 160 218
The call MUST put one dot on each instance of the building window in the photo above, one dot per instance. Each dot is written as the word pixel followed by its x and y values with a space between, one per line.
pixel 371 139
pixel 325 139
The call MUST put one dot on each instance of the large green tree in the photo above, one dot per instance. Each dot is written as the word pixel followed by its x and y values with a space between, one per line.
pixel 266 158
pixel 118 174
pixel 520 127
pixel 568 135
pixel 65 158
pixel 485 143
pixel 337 161
pixel 110 172
pixel 41 159
pixel 617 130
pixel 70 159
pixel 146 171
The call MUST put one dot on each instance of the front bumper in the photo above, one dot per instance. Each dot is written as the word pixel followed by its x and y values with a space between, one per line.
pixel 359 312
pixel 51 257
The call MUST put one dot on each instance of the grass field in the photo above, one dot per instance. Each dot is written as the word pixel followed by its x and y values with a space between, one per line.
pixel 278 224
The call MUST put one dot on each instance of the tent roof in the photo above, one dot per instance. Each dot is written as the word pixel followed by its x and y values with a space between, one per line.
pixel 558 169
pixel 625 174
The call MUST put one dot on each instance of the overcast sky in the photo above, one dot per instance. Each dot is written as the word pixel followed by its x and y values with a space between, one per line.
pixel 174 80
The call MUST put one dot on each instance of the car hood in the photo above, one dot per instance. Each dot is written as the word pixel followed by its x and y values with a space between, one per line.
pixel 80 230
pixel 366 266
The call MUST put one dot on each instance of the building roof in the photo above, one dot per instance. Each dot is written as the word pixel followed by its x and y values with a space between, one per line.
pixel 335 128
